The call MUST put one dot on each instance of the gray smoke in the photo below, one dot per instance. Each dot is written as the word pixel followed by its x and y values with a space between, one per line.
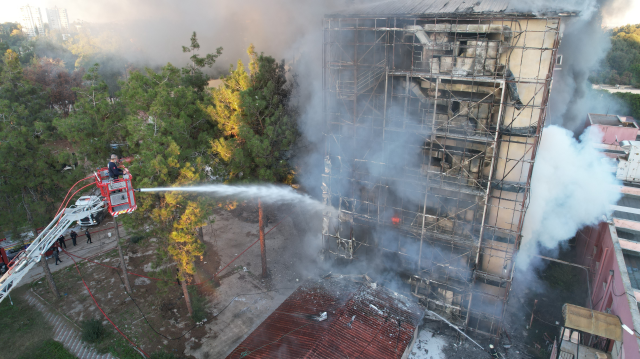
pixel 572 185
pixel 151 33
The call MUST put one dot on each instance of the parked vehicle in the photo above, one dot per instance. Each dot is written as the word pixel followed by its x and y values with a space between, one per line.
pixel 98 210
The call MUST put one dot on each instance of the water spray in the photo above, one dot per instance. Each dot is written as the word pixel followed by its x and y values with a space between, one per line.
pixel 267 193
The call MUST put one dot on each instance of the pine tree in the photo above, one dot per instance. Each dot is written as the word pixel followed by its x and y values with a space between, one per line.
pixel 96 123
pixel 169 134
pixel 192 74
pixel 31 182
pixel 258 120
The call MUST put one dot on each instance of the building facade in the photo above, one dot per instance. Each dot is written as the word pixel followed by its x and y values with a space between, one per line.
pixel 433 114
pixel 58 19
pixel 31 22
pixel 611 250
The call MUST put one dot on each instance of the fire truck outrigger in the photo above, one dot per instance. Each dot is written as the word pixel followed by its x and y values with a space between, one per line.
pixel 118 193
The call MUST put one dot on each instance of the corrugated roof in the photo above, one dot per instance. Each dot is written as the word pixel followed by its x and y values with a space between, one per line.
pixel 383 326
pixel 592 322
pixel 607 120
pixel 425 7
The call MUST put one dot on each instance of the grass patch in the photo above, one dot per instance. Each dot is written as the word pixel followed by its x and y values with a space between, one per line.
pixel 22 328
pixel 120 348
pixel 49 349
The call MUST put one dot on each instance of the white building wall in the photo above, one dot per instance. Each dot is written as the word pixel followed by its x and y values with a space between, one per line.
pixel 32 21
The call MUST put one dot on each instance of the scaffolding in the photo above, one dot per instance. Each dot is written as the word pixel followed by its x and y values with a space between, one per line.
pixel 432 125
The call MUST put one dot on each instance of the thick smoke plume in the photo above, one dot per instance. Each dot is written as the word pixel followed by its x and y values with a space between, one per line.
pixel 152 32
pixel 572 186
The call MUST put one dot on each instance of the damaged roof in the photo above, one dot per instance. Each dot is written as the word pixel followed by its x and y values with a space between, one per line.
pixel 363 320
pixel 441 8
pixel 422 7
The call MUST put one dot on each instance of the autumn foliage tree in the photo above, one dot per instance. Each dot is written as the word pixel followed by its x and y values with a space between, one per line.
pixel 256 114
pixel 57 81
pixel 169 133
pixel 30 181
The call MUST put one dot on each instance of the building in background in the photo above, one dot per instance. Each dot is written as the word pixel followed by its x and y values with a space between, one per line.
pixel 31 22
pixel 58 19
pixel 611 250
pixel 433 112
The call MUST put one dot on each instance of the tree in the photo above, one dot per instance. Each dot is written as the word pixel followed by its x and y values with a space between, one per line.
pixel 192 74
pixel 169 134
pixel 258 119
pixel 30 181
pixel 97 121
pixel 56 80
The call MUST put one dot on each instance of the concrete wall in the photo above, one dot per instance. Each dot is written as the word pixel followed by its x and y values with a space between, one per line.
pixel 609 291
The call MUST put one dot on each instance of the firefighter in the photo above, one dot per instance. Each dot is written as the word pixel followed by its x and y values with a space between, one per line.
pixel 56 254
pixel 86 233
pixel 61 241
pixel 493 352
pixel 73 235
pixel 114 171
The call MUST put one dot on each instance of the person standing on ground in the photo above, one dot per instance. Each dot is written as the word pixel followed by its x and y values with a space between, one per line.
pixel 73 235
pixel 86 233
pixel 56 254
pixel 61 241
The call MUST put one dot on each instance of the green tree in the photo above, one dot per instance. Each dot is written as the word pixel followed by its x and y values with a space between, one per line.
pixel 97 121
pixel 169 133
pixel 31 180
pixel 618 64
pixel 192 74
pixel 258 120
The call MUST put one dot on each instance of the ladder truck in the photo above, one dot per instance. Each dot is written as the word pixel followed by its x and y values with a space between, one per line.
pixel 118 193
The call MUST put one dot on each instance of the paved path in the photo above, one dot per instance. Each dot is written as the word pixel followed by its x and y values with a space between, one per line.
pixel 103 238
pixel 65 332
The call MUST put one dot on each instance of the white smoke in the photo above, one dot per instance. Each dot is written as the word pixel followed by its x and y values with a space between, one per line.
pixel 572 186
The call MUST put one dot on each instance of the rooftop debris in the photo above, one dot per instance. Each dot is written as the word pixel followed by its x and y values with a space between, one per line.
pixel 360 320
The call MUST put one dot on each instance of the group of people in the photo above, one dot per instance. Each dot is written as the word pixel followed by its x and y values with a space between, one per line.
pixel 114 173
pixel 61 243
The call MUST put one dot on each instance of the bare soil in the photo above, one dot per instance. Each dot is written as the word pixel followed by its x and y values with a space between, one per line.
pixel 234 303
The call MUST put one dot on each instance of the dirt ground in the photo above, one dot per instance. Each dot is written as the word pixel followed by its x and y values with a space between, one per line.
pixel 235 304
pixel 239 300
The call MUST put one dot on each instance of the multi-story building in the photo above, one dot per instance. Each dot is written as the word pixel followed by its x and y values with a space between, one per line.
pixel 31 22
pixel 58 19
pixel 611 250
pixel 433 114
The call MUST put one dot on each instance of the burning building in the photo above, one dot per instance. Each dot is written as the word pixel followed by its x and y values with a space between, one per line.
pixel 433 114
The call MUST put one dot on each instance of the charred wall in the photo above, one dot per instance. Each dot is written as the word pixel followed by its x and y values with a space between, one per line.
pixel 432 125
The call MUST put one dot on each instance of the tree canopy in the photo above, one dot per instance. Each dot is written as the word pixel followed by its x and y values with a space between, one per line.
pixel 258 121
pixel 621 65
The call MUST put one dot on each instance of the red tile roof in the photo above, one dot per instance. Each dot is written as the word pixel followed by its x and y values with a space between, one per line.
pixel 383 327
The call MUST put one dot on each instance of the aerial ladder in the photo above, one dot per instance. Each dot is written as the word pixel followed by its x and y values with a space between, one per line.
pixel 119 195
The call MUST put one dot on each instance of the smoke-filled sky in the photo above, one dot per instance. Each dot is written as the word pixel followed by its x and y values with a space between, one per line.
pixel 189 10
pixel 158 28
